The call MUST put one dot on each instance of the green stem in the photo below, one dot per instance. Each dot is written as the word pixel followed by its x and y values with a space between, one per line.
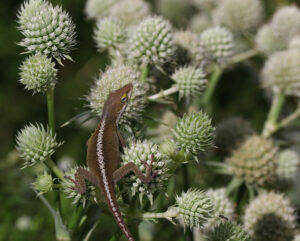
pixel 144 74
pixel 243 56
pixel 116 236
pixel 54 168
pixel 271 124
pixel 75 219
pixel 213 82
pixel 163 93
pixel 50 104
pixel 172 212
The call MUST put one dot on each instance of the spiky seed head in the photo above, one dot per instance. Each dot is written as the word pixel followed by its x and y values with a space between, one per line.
pixel 115 77
pixel 222 206
pixel 270 217
pixel 199 23
pixel 218 43
pixel 190 81
pixel 295 42
pixel 286 23
pixel 78 198
pixel 46 29
pixel 288 163
pixel 109 34
pixel 95 9
pixel 194 133
pixel 231 132
pixel 282 71
pixel 130 12
pixel 138 153
pixel 167 147
pixel 36 144
pixel 152 42
pixel 189 48
pixel 254 160
pixel 239 16
pixel 228 231
pixel 43 183
pixel 267 42
pixel 38 73
pixel 195 208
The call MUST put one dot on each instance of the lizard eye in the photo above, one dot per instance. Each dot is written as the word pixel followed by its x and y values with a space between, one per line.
pixel 124 99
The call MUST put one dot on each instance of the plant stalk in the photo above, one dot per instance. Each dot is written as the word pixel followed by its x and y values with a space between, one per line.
pixel 51 113
pixel 144 73
pixel 212 84
pixel 243 56
pixel 163 93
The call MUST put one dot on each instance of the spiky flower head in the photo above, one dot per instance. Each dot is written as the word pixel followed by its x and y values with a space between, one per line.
pixel 95 9
pixel 282 71
pixel 218 43
pixel 270 217
pixel 36 144
pixel 43 183
pixel 228 231
pixel 194 133
pixel 239 16
pixel 190 81
pixel 286 23
pixel 267 42
pixel 152 42
pixel 46 29
pixel 222 206
pixel 232 132
pixel 109 34
pixel 115 77
pixel 295 42
pixel 195 208
pixel 254 160
pixel 38 73
pixel 130 12
pixel 139 152
pixel 288 163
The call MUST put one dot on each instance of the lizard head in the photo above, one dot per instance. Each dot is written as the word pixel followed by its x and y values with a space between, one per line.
pixel 117 102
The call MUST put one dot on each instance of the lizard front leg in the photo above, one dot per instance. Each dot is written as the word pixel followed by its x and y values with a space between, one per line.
pixel 131 167
pixel 81 175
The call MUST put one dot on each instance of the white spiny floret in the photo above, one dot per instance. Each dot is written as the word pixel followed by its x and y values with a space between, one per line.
pixel 195 208
pixel 46 29
pixel 282 70
pixel 38 73
pixel 218 43
pixel 95 9
pixel 288 163
pixel 239 16
pixel 190 81
pixel 115 77
pixel 138 152
pixel 109 34
pixel 152 42
pixel 270 217
pixel 36 144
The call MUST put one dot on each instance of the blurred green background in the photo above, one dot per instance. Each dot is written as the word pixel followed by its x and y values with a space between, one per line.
pixel 22 215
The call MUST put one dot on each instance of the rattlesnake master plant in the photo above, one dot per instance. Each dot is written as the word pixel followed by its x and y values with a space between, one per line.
pixel 270 217
pixel 195 208
pixel 254 160
pixel 228 231
pixel 194 133
pixel 141 151
pixel 43 183
pixel 190 81
pixel 38 73
pixel 152 42
pixel 199 23
pixel 46 29
pixel 36 144
pixel 282 71
pixel 288 163
pixel 115 77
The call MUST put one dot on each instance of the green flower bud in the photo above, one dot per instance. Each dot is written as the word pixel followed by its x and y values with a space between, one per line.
pixel 138 152
pixel 95 9
pixel 270 217
pixel 239 16
pixel 254 160
pixel 43 183
pixel 194 133
pixel 167 147
pixel 282 71
pixel 38 73
pixel 152 42
pixel 78 198
pixel 36 144
pixel 228 231
pixel 288 163
pixel 199 23
pixel 190 81
pixel 218 43
pixel 109 34
pixel 195 208
pixel 113 78
pixel 46 29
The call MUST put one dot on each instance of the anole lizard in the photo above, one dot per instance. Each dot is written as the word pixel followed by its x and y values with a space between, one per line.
pixel 103 156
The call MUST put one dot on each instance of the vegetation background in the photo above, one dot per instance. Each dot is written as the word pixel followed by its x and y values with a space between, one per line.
pixel 22 216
